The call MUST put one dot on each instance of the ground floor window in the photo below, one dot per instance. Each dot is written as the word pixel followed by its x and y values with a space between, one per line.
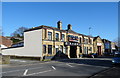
pixel 56 48
pixel 80 49
pixel 65 50
pixel 90 49
pixel 44 48
pixel 85 50
pixel 49 49
pixel 61 48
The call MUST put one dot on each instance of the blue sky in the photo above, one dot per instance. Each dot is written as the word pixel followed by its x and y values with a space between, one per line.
pixel 102 17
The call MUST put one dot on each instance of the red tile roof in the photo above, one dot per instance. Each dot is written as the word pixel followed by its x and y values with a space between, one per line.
pixel 5 41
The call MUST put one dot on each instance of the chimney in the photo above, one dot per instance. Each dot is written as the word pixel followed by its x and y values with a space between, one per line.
pixel 59 24
pixel 69 27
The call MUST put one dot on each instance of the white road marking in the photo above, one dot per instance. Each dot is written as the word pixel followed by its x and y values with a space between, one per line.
pixel 69 65
pixel 38 73
pixel 91 65
pixel 31 64
pixel 53 67
pixel 20 70
pixel 25 72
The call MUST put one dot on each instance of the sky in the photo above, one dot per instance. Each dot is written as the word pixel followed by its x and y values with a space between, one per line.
pixel 102 17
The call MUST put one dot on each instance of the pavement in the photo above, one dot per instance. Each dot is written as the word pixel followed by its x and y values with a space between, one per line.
pixel 83 67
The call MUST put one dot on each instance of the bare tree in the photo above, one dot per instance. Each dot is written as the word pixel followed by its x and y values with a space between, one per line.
pixel 19 32
pixel 117 41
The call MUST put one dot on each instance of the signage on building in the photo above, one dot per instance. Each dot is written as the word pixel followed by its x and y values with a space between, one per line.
pixel 99 44
pixel 72 38
pixel 72 44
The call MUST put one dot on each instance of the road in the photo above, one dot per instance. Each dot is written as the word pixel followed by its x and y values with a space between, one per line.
pixel 85 67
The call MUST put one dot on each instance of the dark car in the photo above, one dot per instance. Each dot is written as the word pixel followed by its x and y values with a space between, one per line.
pixel 116 59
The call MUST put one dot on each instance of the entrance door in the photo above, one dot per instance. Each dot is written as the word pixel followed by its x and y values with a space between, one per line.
pixel 99 50
pixel 73 51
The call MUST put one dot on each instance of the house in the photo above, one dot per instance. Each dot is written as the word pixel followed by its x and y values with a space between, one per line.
pixel 107 45
pixel 98 45
pixel 4 42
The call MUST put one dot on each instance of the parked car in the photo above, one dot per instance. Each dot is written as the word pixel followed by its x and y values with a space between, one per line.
pixel 116 59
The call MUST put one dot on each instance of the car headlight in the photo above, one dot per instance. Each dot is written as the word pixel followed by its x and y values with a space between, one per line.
pixel 113 61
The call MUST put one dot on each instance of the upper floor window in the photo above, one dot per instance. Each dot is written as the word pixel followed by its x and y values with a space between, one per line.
pixel 86 41
pixel 63 37
pixel 57 37
pixel 80 40
pixel 90 41
pixel 49 35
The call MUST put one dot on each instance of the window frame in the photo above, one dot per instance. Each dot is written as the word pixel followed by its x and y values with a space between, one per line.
pixel 49 35
pixel 49 49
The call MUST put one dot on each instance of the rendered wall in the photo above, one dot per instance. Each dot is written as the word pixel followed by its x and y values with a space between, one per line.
pixel 32 45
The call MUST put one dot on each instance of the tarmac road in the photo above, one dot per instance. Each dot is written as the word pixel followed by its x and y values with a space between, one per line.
pixel 71 67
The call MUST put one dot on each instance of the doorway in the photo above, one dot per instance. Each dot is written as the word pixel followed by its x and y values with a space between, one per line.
pixel 99 50
pixel 73 51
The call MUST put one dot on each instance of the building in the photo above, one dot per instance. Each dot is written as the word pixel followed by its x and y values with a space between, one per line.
pixel 4 42
pixel 113 47
pixel 46 41
pixel 107 46
pixel 98 45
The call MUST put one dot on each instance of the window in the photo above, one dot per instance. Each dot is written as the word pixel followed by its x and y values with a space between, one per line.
pixel 44 48
pixel 90 41
pixel 57 37
pixel 90 49
pixel 56 48
pixel 65 50
pixel 63 37
pixel 49 49
pixel 85 50
pixel 80 40
pixel 80 49
pixel 49 35
pixel 86 41
pixel 61 48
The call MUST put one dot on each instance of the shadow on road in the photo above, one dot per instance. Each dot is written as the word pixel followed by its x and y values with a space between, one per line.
pixel 94 62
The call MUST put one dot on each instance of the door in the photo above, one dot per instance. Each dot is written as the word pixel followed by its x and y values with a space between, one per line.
pixel 73 51
pixel 99 50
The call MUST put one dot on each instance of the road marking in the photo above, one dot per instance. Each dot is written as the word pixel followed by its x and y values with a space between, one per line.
pixel 25 72
pixel 38 73
pixel 53 67
pixel 20 70
pixel 30 64
pixel 91 65
pixel 69 65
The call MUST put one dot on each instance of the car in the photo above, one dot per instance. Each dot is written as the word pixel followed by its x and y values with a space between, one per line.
pixel 116 59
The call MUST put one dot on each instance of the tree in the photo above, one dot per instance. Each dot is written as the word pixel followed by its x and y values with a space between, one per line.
pixel 117 41
pixel 19 32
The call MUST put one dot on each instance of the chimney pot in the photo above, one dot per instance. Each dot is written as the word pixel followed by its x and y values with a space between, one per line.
pixel 59 24
pixel 69 27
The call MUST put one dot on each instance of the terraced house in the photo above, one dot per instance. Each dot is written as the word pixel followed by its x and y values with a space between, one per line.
pixel 47 41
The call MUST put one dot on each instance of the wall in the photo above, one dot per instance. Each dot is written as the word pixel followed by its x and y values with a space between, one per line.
pixel 4 59
pixel 32 45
